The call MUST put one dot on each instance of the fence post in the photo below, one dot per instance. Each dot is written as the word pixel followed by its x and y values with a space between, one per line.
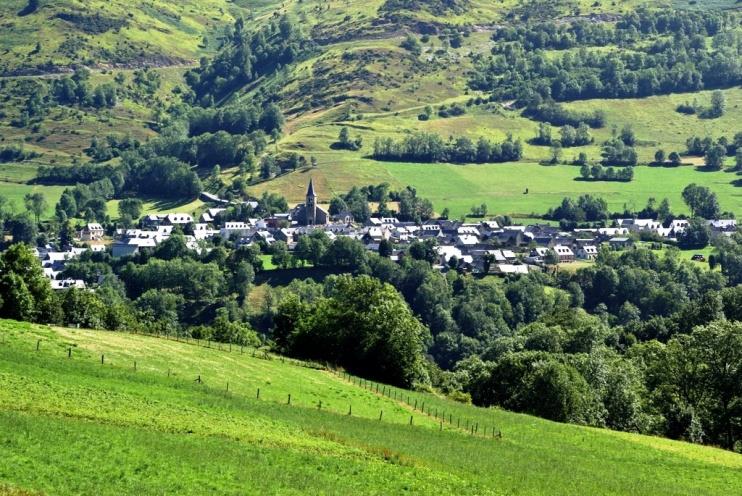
pixel 38 343
pixel 168 371
pixel 319 407
pixel 199 379
pixel 69 353
pixel 227 386
pixel 414 407
pixel 135 365
pixel 257 397
pixel 102 359
pixel 410 419
pixel 381 414
pixel 350 409
pixel 289 402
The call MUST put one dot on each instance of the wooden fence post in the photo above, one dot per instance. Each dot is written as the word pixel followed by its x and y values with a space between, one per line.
pixel 69 353
pixel 410 419
pixel 102 359
pixel 381 414
pixel 38 343
pixel 319 407
pixel 350 409
pixel 289 402
pixel 257 397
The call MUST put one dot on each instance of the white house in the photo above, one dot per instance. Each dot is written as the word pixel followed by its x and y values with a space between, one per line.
pixel 564 253
pixel 92 232
pixel 587 252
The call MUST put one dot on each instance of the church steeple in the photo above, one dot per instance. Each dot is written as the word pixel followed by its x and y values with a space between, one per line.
pixel 311 204
pixel 310 189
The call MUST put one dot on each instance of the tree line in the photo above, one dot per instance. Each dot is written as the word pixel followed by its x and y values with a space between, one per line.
pixel 431 148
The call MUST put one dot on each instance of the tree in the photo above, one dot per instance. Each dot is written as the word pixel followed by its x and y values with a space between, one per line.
pixel 412 44
pixel 659 157
pixel 555 151
pixel 696 235
pixel 628 136
pixel 701 201
pixel 675 159
pixel 714 157
pixel 24 229
pixel 718 104
pixel 25 292
pixel 344 141
pixel 131 207
pixel 36 204
pixel 281 256
pixel 365 326
pixel 697 383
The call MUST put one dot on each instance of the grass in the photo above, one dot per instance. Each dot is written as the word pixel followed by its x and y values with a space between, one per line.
pixel 15 192
pixel 502 186
pixel 71 426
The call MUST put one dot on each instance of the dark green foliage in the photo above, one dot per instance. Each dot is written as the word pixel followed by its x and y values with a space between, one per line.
pixel 617 152
pixel 30 8
pixel 557 115
pixel 681 62
pixel 437 7
pixel 696 235
pixel 345 142
pixel 92 24
pixel 431 148
pixel 245 57
pixel 24 290
pixel 149 177
pixel 701 201
pixel 365 326
pixel 63 174
pixel 600 173
pixel 15 153
pixel 586 208
pixel 234 120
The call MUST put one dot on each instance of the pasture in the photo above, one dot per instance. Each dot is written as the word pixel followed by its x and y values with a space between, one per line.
pixel 76 425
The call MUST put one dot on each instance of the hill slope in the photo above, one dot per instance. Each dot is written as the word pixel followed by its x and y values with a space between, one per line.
pixel 72 425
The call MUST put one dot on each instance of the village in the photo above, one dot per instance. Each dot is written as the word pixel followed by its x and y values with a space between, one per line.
pixel 483 247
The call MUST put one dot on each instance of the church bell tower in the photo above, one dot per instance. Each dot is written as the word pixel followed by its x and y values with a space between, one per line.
pixel 311 204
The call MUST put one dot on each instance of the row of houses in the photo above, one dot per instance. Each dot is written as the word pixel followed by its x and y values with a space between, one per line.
pixel 476 246
pixel 480 246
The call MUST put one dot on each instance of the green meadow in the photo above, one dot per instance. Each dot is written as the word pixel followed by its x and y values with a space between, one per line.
pixel 140 423
pixel 503 186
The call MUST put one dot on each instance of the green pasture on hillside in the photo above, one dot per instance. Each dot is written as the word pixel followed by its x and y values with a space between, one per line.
pixel 75 425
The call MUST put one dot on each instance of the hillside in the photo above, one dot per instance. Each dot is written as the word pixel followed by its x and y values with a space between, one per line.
pixel 375 67
pixel 139 423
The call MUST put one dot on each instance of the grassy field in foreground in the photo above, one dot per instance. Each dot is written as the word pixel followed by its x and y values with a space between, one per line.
pixel 73 425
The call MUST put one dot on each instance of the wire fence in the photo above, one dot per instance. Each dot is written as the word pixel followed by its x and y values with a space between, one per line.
pixel 410 400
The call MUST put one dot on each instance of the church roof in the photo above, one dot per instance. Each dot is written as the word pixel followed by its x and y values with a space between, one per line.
pixel 310 189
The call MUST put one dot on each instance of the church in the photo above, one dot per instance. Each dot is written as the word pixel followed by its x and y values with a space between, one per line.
pixel 309 213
